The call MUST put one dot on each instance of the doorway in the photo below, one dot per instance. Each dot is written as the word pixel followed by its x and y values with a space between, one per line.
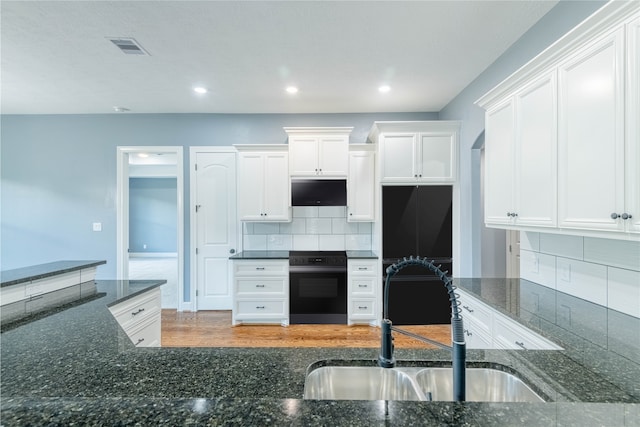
pixel 150 237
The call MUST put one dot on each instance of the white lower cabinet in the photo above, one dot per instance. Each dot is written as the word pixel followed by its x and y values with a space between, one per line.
pixel 485 328
pixel 261 291
pixel 362 298
pixel 140 318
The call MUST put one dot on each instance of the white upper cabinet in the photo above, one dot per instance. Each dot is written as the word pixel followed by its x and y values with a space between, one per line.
pixel 499 166
pixel 263 183
pixel 535 153
pixel 632 155
pixel 572 115
pixel 591 135
pixel 319 152
pixel 417 152
pixel 361 185
pixel 520 160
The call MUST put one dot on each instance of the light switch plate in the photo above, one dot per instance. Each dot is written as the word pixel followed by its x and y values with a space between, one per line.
pixel 97 226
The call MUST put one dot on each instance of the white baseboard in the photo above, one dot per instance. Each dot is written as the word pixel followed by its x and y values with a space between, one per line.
pixel 153 255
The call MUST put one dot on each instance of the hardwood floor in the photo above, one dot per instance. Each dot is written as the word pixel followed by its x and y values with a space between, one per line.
pixel 213 329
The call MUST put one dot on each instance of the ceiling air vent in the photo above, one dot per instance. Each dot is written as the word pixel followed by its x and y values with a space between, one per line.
pixel 129 46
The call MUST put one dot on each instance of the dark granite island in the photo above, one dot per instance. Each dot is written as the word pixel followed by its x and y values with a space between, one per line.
pixel 29 290
pixel 78 367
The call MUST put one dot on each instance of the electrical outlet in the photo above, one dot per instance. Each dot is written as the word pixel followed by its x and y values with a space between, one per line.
pixel 97 226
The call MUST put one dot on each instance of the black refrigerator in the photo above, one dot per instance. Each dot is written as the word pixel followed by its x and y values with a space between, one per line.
pixel 416 220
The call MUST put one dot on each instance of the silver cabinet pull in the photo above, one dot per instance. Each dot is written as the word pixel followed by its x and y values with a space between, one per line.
pixel 260 307
pixel 521 345
pixel 259 286
pixel 259 268
pixel 139 341
pixel 466 307
pixel 137 312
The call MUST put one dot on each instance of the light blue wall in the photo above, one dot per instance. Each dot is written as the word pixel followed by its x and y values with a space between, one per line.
pixel 58 172
pixel 557 22
pixel 153 215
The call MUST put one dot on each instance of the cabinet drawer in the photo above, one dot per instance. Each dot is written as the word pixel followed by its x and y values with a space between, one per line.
pixel 261 286
pixel 261 267
pixel 362 309
pixel 134 311
pixel 53 283
pixel 363 286
pixel 475 311
pixel 363 267
pixel 146 333
pixel 11 294
pixel 475 335
pixel 256 309
pixel 508 334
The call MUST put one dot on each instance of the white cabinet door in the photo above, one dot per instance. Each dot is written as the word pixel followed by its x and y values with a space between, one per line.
pixel 361 186
pixel 632 187
pixel 436 157
pixel 397 154
pixel 499 157
pixel 535 154
pixel 303 156
pixel 263 186
pixel 591 136
pixel 325 156
pixel 333 156
pixel 276 187
pixel 250 186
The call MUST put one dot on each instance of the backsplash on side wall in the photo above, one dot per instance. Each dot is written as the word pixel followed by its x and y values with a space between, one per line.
pixel 603 271
pixel 323 228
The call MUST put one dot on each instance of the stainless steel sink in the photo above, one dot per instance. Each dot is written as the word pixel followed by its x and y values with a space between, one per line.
pixel 482 385
pixel 413 383
pixel 360 383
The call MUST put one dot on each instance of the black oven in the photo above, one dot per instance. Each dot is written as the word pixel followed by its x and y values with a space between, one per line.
pixel 318 287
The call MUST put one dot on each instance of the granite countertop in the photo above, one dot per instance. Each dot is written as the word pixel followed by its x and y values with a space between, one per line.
pixel 285 255
pixel 77 366
pixel 40 271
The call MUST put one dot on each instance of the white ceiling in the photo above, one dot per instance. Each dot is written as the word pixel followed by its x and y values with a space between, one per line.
pixel 57 57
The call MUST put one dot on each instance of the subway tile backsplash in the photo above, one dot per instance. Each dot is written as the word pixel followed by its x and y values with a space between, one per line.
pixel 603 271
pixel 323 228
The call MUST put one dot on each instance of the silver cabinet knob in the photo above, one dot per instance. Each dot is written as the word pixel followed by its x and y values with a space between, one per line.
pixel 615 216
pixel 626 216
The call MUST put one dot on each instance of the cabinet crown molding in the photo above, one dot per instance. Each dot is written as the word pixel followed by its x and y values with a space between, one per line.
pixel 601 21
pixel 294 131
pixel 412 126
pixel 261 147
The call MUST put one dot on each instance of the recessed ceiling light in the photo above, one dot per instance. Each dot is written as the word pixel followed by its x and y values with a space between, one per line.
pixel 201 90
pixel 384 89
pixel 292 89
pixel 120 109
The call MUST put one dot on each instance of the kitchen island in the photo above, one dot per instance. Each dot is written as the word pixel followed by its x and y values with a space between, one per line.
pixel 78 366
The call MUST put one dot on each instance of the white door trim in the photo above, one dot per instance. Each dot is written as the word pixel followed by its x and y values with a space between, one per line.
pixel 122 209
pixel 193 238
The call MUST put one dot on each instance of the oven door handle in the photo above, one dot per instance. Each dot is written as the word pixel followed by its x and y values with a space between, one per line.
pixel 316 269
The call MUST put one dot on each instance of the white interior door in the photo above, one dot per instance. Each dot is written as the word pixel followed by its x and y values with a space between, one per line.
pixel 216 227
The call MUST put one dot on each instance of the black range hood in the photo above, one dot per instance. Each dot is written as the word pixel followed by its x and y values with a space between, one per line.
pixel 318 192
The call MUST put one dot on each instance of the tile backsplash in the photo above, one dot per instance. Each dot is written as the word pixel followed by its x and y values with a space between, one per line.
pixel 323 228
pixel 603 271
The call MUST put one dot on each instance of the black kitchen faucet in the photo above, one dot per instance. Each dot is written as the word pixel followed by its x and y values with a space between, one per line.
pixel 458 349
